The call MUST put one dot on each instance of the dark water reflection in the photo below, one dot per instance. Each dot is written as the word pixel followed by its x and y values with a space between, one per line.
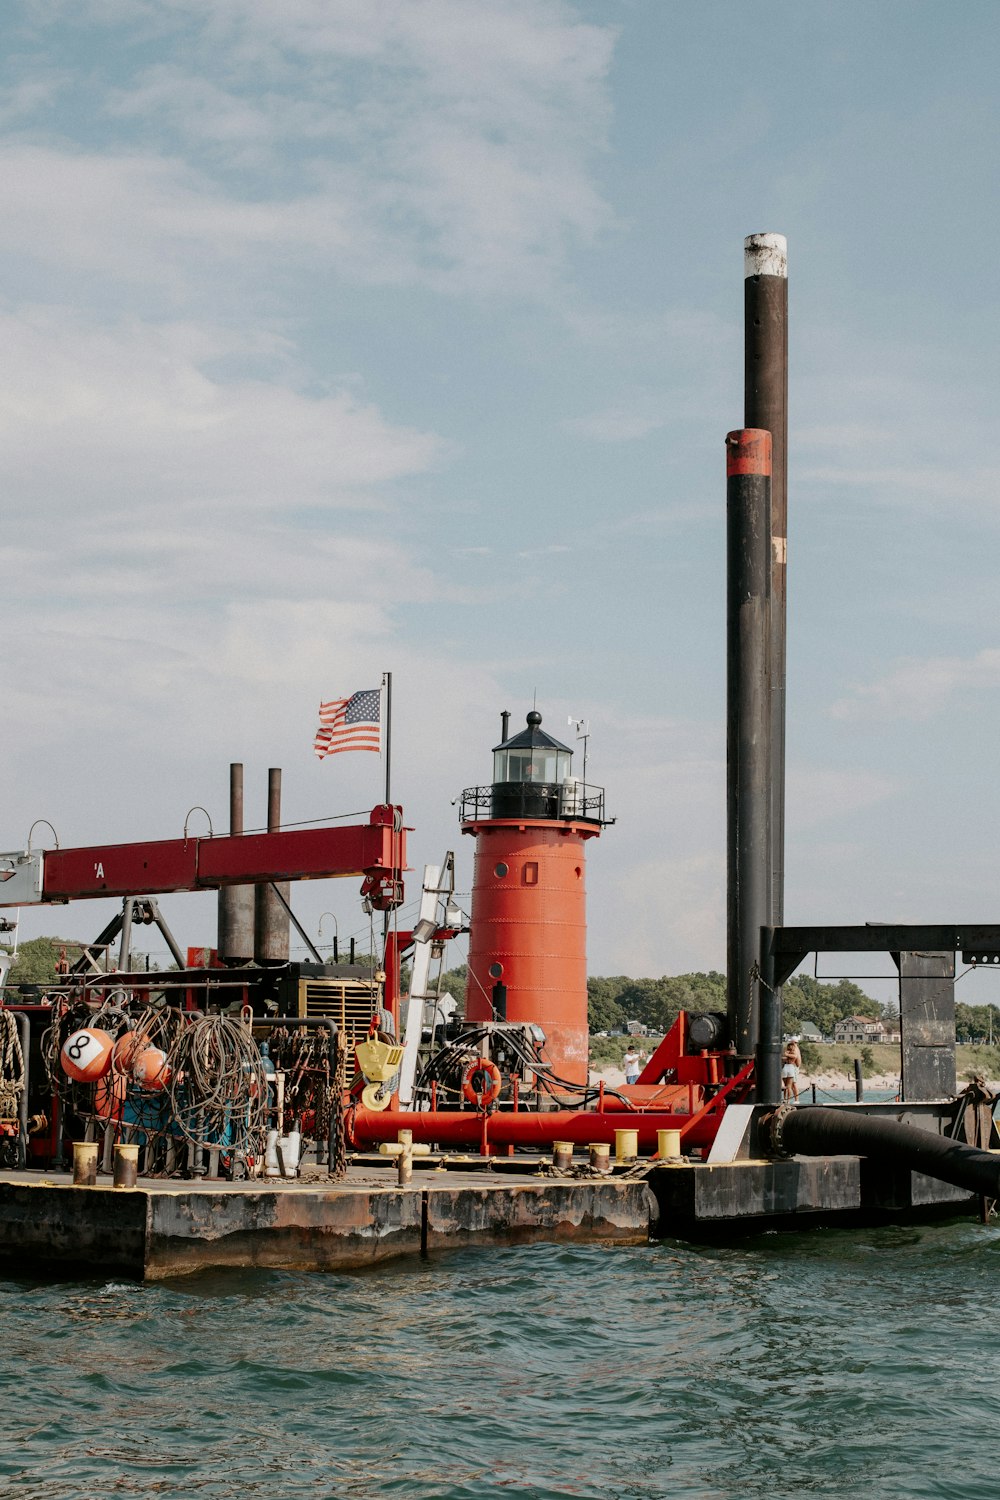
pixel 806 1364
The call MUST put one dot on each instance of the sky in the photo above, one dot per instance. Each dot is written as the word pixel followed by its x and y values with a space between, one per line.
pixel 404 336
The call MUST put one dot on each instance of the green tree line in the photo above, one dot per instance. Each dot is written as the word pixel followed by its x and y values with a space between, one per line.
pixel 36 959
pixel 976 1023
pixel 615 1000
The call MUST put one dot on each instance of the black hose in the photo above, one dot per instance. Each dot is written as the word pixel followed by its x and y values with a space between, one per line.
pixel 811 1130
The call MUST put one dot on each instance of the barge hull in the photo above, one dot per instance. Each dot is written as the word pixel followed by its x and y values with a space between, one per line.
pixel 160 1230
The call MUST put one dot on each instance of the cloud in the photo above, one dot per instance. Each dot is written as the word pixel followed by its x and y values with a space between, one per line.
pixel 908 432
pixel 817 795
pixel 617 424
pixel 918 688
pixel 130 419
pixel 669 918
pixel 436 143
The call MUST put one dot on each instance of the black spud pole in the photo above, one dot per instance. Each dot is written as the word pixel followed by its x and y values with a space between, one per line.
pixel 765 405
pixel 748 723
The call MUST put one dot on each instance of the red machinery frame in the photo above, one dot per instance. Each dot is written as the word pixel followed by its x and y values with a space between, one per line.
pixel 672 1078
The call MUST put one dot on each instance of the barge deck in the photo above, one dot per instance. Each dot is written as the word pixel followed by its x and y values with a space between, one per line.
pixel 164 1228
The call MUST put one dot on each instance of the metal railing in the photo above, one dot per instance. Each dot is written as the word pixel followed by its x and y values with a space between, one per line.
pixel 567 801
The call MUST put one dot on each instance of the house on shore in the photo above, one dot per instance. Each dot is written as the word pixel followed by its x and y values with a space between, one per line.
pixel 859 1029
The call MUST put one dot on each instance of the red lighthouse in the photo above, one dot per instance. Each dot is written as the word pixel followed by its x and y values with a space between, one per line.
pixel 528 936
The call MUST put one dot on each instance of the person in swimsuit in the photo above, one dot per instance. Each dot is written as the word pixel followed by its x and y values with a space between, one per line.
pixel 791 1062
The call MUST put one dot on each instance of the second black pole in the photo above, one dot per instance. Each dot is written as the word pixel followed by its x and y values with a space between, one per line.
pixel 748 725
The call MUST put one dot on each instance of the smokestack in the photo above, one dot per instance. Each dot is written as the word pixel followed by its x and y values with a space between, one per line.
pixel 765 269
pixel 748 723
pixel 236 902
pixel 271 931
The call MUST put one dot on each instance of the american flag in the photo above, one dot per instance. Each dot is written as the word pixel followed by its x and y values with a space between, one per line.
pixel 349 723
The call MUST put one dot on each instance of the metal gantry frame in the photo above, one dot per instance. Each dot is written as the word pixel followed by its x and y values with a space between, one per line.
pixel 782 950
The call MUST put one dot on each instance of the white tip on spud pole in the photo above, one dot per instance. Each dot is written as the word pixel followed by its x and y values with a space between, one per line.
pixel 765 255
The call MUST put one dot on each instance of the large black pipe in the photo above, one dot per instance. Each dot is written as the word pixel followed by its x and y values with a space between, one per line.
pixel 811 1130
pixel 748 724
pixel 271 943
pixel 765 405
pixel 236 902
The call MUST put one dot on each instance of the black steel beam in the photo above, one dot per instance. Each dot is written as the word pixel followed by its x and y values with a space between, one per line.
pixel 895 937
pixel 978 942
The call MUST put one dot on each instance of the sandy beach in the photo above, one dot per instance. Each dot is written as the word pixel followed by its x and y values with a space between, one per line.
pixel 827 1082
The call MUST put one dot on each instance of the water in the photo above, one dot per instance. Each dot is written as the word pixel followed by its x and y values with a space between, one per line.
pixel 812 1364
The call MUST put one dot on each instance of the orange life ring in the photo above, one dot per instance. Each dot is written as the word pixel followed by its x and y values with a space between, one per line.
pixel 482 1097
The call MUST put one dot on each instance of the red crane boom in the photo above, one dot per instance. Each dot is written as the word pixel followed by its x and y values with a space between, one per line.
pixel 375 850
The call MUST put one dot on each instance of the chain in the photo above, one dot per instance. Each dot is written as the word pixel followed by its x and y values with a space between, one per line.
pixel 338 1165
pixel 757 977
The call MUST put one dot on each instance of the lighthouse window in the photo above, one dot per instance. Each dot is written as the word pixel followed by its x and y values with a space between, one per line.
pixel 500 870
pixel 530 873
pixel 533 764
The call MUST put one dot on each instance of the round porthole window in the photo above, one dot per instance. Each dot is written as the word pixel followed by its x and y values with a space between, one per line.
pixel 501 869
pixel 496 970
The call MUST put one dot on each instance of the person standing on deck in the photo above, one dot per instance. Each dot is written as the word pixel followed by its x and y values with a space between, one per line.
pixel 791 1062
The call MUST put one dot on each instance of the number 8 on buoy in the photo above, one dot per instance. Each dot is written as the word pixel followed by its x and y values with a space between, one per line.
pixel 86 1055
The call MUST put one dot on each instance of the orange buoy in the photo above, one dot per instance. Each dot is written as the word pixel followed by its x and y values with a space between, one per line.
pixel 151 1068
pixel 126 1050
pixel 86 1055
pixel 109 1096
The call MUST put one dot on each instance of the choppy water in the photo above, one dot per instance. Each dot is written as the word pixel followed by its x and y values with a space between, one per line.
pixel 821 1363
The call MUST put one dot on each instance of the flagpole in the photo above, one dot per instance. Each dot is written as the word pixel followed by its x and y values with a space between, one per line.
pixel 387 680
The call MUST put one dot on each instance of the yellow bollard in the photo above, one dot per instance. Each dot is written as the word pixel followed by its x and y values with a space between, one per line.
pixel 600 1156
pixel 668 1145
pixel 126 1167
pixel 84 1163
pixel 626 1145
pixel 562 1155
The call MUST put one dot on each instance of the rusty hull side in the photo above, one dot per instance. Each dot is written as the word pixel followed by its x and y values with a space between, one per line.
pixel 583 1210
pixel 312 1230
pixel 57 1228
pixel 154 1233
pixel 744 1195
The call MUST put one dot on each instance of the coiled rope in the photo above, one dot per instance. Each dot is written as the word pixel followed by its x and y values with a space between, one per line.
pixel 218 1090
pixel 11 1066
